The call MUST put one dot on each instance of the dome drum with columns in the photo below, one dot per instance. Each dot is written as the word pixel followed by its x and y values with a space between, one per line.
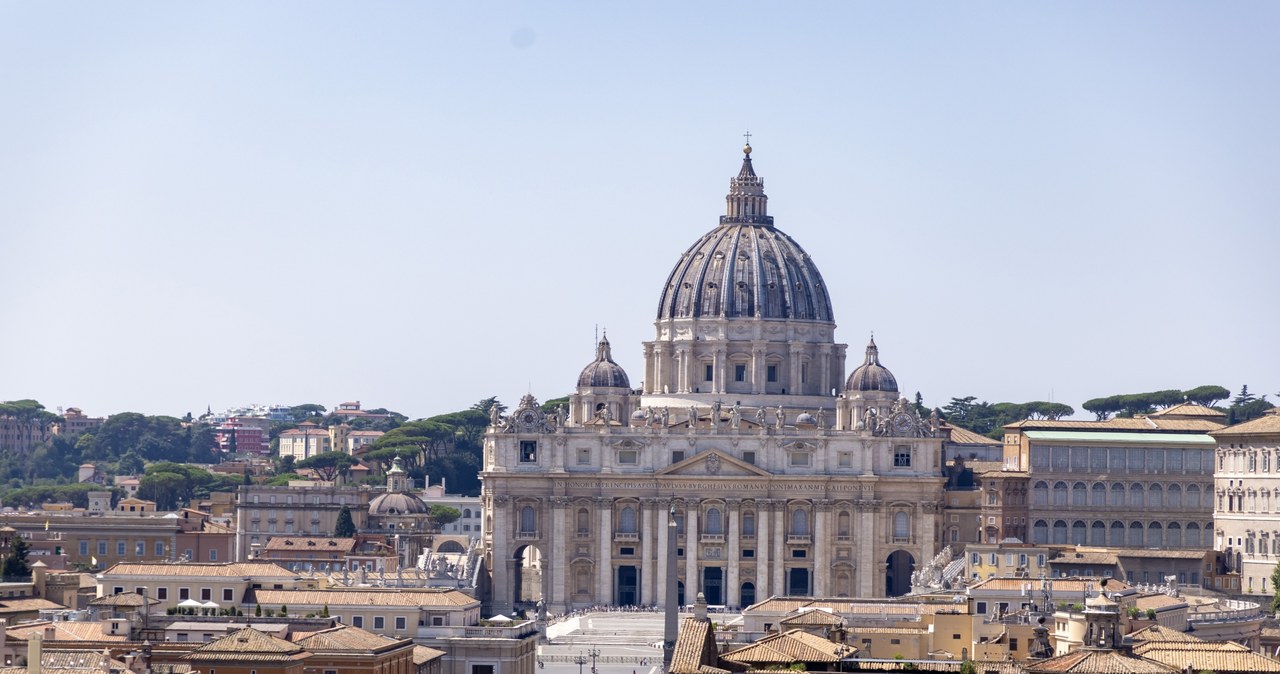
pixel 785 476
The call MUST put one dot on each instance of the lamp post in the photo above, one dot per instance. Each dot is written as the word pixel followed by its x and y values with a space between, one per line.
pixel 579 660
pixel 594 653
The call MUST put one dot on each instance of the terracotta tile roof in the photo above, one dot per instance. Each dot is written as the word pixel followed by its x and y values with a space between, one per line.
pixel 423 654
pixel 65 630
pixel 1096 661
pixel 965 436
pixel 227 570
pixel 1076 585
pixel 26 604
pixel 122 600
pixel 248 645
pixel 72 659
pixel 335 598
pixel 889 630
pixel 311 543
pixel 1190 410
pixel 793 646
pixel 1162 554
pixel 1123 424
pixel 1084 558
pixel 1157 601
pixel 812 617
pixel 1267 424
pixel 1162 633
pixel 1218 656
pixel 346 638
pixel 695 650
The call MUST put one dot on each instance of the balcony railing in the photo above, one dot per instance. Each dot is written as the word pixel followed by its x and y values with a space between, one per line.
pixel 626 537
pixel 526 535
pixel 712 538
pixel 798 539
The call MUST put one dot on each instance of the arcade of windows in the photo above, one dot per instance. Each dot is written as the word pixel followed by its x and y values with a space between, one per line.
pixel 1120 534
pixel 1115 495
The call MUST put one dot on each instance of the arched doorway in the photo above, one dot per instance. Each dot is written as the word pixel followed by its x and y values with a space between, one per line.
pixel 748 594
pixel 679 593
pixel 897 574
pixel 451 547
pixel 527 580
pixel 713 585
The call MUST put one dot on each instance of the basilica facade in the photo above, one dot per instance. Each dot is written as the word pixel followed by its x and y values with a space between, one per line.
pixel 782 475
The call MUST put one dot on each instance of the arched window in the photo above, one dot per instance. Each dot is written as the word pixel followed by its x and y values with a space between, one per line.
pixel 1079 533
pixel 1059 532
pixel 799 522
pixel 1174 497
pixel 528 520
pixel 1155 496
pixel 584 521
pixel 1098 533
pixel 1040 493
pixel 1117 495
pixel 1173 537
pixel 842 524
pixel 1135 495
pixel 1060 493
pixel 901 525
pixel 1040 532
pixel 1191 536
pixel 1155 536
pixel 1206 535
pixel 466 512
pixel 679 524
pixel 1193 496
pixel 748 524
pixel 1098 495
pixel 1135 535
pixel 747 596
pixel 1079 494
pixel 1116 538
pixel 714 524
pixel 627 520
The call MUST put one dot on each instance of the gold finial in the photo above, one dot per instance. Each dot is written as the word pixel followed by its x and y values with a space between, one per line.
pixel 746 149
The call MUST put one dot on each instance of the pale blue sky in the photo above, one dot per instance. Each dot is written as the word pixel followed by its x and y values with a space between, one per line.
pixel 418 205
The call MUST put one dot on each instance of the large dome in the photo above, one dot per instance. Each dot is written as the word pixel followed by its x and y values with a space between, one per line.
pixel 746 268
pixel 397 504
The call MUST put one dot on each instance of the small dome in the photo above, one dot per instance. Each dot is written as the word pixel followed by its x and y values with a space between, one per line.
pixel 397 504
pixel 603 372
pixel 871 375
pixel 806 419
pixel 637 415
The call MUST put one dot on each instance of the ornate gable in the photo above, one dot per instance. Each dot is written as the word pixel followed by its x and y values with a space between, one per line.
pixel 714 463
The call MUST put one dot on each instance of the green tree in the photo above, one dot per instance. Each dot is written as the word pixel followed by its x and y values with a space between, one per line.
pixel 15 565
pixel 328 465
pixel 345 527
pixel 484 405
pixel 1103 408
pixel 442 515
pixel 1207 395
pixel 303 412
pixel 1244 397
pixel 130 464
pixel 550 406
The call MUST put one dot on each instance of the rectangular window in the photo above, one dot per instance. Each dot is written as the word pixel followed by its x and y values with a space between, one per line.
pixel 357 621
pixel 206 594
pixel 628 456
pixel 213 555
pixel 84 548
pixel 117 590
pixel 162 593
pixel 982 608
pixel 140 548
pixel 749 457
pixel 228 594
pixel 400 624
pixel 626 552
pixel 799 458
pixel 528 451
pixel 184 593
pixel 159 548
pixel 481 669
pixel 677 456
pixel 1013 645
pixel 739 372
pixel 772 373
pixel 584 456
pixel 748 553
pixel 902 456
pixel 708 373
pixel 437 621
pixel 846 460
pixel 799 554
pixel 120 545
pixel 379 623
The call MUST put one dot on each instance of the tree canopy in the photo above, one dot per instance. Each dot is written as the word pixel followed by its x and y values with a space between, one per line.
pixel 328 465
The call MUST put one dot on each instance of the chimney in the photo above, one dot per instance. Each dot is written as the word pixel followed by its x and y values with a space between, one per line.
pixel 700 608
pixel 34 653
pixel 106 661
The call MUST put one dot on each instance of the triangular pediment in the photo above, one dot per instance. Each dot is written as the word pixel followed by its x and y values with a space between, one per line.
pixel 713 463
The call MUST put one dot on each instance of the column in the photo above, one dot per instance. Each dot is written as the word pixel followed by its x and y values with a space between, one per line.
pixel 731 574
pixel 660 367
pixel 779 550
pixel 502 566
pixel 722 370
pixel 866 535
pixel 821 549
pixel 717 381
pixel 663 516
pixel 604 554
pixel 757 368
pixel 556 596
pixel 648 369
pixel 691 580
pixel 647 537
pixel 925 530
pixel 827 383
pixel 793 376
pixel 682 370
pixel 762 549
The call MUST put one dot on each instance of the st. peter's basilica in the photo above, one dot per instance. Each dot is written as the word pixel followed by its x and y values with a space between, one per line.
pixel 785 477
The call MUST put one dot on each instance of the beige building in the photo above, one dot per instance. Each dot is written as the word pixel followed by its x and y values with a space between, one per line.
pixel 780 474
pixel 1247 500
pixel 305 441
pixel 226 585
pixel 1144 482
